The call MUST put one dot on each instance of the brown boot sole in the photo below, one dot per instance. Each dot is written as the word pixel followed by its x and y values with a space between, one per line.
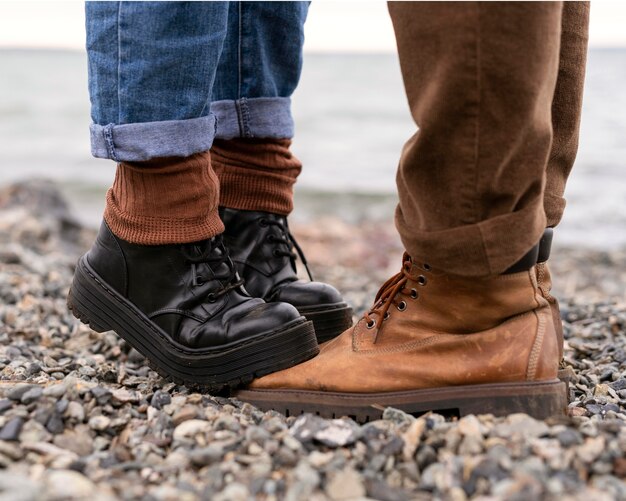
pixel 540 399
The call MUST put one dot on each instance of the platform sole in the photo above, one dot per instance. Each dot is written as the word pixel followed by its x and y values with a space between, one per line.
pixel 97 304
pixel 540 399
pixel 328 320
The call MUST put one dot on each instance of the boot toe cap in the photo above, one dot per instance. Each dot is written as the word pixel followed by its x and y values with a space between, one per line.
pixel 249 319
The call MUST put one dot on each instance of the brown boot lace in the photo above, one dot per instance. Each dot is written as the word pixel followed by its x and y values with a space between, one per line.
pixel 388 295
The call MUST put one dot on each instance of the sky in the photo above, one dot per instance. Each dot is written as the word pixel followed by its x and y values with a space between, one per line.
pixel 332 26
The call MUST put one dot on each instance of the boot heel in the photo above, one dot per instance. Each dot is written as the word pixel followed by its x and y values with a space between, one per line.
pixel 79 304
pixel 541 401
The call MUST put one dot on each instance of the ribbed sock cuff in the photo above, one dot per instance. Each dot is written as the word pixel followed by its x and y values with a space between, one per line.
pixel 165 201
pixel 256 174
pixel 146 230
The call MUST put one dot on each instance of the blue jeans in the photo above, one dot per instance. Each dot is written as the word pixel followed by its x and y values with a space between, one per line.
pixel 166 78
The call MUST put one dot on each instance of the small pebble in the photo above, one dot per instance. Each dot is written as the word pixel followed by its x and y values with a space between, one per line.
pixel 11 430
pixel 32 395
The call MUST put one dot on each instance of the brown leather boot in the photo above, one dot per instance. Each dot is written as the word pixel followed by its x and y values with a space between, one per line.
pixel 432 341
pixel 544 281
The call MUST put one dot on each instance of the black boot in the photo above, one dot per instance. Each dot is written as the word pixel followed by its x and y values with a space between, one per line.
pixel 184 308
pixel 261 247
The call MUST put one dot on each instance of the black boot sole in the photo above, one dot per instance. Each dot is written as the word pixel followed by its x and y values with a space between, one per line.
pixel 97 304
pixel 329 320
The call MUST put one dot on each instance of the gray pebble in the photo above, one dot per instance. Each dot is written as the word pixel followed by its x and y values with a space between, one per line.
pixel 397 416
pixel 618 385
pixel 206 455
pixel 102 395
pixel 32 395
pixel 55 424
pixel 333 433
pixel 33 369
pixel 19 390
pixel 11 430
pixel 55 390
pixel 160 399
pixel 5 405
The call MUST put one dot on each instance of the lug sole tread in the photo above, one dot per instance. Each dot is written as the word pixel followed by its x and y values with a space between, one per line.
pixel 329 323
pixel 540 399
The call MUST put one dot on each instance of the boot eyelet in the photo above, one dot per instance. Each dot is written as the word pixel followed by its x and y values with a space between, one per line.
pixel 401 306
pixel 276 253
pixel 427 267
pixel 263 222
pixel 198 281
pixel 211 297
pixel 270 238
pixel 414 294
pixel 387 315
pixel 371 324
pixel 421 280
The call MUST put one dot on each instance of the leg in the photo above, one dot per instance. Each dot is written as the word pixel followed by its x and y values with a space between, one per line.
pixel 259 70
pixel 159 274
pixel 470 330
pixel 489 96
pixel 151 72
pixel 566 106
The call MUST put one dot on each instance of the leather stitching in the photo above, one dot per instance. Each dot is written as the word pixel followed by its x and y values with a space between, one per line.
pixel 533 360
pixel 411 345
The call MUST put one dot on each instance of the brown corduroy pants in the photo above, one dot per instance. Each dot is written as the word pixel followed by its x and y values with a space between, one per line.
pixel 495 89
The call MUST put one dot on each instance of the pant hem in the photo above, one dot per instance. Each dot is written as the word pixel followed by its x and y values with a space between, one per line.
pixel 264 117
pixel 554 206
pixel 137 142
pixel 482 249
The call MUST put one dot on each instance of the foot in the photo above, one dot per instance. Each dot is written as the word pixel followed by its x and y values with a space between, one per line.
pixel 183 307
pixel 262 249
pixel 432 341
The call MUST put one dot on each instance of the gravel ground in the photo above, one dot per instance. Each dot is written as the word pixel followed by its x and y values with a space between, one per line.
pixel 82 416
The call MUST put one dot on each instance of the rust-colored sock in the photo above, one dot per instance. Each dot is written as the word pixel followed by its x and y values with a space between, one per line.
pixel 256 174
pixel 164 201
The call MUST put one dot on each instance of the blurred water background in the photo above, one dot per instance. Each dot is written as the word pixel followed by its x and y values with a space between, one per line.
pixel 351 121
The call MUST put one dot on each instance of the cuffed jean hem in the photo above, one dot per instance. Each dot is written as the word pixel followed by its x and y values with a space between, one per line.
pixel 263 117
pixel 136 142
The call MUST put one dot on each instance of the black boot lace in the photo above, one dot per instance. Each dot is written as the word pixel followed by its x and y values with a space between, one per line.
pixel 285 243
pixel 214 254
pixel 389 292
